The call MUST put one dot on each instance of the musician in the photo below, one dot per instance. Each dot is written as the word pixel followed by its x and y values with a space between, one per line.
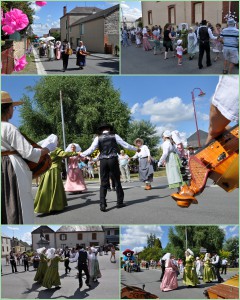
pixel 216 262
pixel 81 55
pixel 65 54
pixel 224 107
pixel 107 142
pixel 17 199
pixel 13 262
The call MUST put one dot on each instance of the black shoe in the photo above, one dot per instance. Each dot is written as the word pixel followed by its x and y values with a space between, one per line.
pixel 87 284
pixel 200 68
pixel 57 287
pixel 121 205
pixel 209 65
pixel 69 270
pixel 103 208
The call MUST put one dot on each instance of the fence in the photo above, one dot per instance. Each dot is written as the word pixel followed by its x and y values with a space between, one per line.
pixel 7 58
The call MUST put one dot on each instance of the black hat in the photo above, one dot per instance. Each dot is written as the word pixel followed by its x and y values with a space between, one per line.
pixel 105 126
pixel 65 41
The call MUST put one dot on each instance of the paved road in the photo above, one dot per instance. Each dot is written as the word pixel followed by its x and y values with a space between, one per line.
pixel 21 284
pixel 136 61
pixel 152 284
pixel 96 64
pixel 146 207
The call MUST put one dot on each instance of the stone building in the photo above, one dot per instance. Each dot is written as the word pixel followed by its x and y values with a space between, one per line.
pixel 43 236
pixel 190 12
pixel 6 244
pixel 18 246
pixel 99 31
pixel 71 17
pixel 79 234
pixel 111 234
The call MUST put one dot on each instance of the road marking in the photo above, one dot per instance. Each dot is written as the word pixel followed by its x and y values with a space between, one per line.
pixel 39 65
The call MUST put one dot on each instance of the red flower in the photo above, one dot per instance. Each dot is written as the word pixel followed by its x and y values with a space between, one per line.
pixel 41 3
pixel 14 20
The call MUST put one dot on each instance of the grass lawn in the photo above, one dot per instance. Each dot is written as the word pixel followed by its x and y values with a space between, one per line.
pixel 30 67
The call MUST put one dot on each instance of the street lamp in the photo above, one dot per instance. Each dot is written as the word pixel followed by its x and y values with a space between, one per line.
pixel 195 116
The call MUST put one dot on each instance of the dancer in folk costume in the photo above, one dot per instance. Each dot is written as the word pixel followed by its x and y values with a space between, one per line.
pixel 199 267
pixel 35 260
pixel 51 277
pixel 51 195
pixel 138 38
pixel 145 163
pixel 208 271
pixel 190 277
pixel 169 281
pixel 42 268
pixel 81 53
pixel 75 182
pixel 93 265
pixel 170 158
pixel 184 36
pixel 58 50
pixel 146 44
pixel 192 44
pixel 217 46
pixel 16 179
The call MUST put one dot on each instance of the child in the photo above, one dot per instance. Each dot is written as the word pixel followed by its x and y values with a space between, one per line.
pixel 179 50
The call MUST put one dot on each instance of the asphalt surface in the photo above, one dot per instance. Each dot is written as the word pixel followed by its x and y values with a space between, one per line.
pixel 21 284
pixel 156 206
pixel 137 61
pixel 95 64
pixel 151 279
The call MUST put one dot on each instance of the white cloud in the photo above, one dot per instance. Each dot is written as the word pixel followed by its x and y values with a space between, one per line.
pixel 27 237
pixel 136 236
pixel 224 228
pixel 36 17
pixel 131 14
pixel 135 108
pixel 233 228
pixel 137 249
pixel 13 228
pixel 35 7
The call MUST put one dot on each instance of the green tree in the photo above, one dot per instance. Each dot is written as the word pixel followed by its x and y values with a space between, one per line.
pixel 25 6
pixel 146 131
pixel 157 243
pixel 151 240
pixel 56 35
pixel 232 245
pixel 88 101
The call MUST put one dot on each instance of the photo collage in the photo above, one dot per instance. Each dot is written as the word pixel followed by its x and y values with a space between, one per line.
pixel 119 149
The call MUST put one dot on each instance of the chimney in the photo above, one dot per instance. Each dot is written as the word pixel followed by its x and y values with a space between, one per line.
pixel 64 10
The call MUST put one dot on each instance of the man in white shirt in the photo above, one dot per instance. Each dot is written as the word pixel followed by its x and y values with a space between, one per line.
pixel 224 266
pixel 107 142
pixel 217 265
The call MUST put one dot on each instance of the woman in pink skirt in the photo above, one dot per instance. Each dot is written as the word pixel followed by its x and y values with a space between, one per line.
pixel 75 182
pixel 169 281
pixel 146 44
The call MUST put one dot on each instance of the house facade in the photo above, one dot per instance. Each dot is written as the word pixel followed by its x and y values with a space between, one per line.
pixel 6 244
pixel 190 12
pixel 71 17
pixel 43 236
pixel 111 234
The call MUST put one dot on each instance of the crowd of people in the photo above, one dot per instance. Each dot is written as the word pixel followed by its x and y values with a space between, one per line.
pixel 183 40
pixel 46 263
pixel 57 50
pixel 207 268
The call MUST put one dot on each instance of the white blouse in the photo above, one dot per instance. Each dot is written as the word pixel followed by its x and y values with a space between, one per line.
pixel 145 152
pixel 167 149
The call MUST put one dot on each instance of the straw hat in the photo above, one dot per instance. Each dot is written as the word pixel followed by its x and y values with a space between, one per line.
pixel 190 251
pixel 138 140
pixel 6 99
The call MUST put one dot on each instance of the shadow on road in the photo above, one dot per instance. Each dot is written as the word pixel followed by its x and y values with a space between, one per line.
pixel 34 287
pixel 111 65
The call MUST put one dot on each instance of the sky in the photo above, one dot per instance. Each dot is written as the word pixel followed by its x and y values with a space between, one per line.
pixel 166 101
pixel 48 16
pixel 135 237
pixel 23 232
pixel 131 10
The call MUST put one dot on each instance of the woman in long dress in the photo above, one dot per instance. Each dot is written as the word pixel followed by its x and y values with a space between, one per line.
pixel 16 179
pixel 42 267
pixel 192 43
pixel 171 160
pixel 145 163
pixel 58 50
pixel 217 45
pixel 51 277
pixel 184 36
pixel 93 265
pixel 51 55
pixel 146 44
pixel 51 195
pixel 35 260
pixel 75 182
pixel 81 55
pixel 169 281
pixel 208 271
pixel 190 277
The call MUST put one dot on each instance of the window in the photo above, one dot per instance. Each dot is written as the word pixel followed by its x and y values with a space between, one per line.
pixel 116 231
pixel 172 14
pixel 47 237
pixel 63 246
pixel 108 232
pixel 66 24
pixel 81 29
pixel 94 236
pixel 150 17
pixel 197 12
pixel 80 236
pixel 7 248
pixel 232 6
pixel 63 237
pixel 2 248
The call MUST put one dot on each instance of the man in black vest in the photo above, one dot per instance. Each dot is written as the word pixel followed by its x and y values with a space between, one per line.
pixel 217 265
pixel 64 53
pixel 204 34
pixel 82 258
pixel 107 142
pixel 25 259
pixel 66 262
